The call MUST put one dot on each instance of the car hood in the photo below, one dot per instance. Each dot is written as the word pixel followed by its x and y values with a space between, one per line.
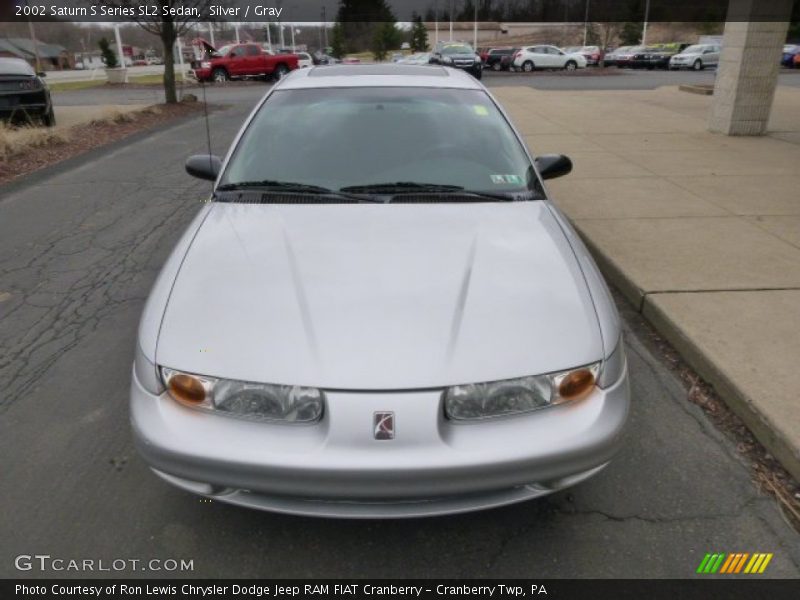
pixel 379 296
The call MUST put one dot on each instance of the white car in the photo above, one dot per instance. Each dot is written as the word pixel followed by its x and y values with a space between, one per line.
pixel 547 57
pixel 696 57
pixel 303 60
pixel 380 312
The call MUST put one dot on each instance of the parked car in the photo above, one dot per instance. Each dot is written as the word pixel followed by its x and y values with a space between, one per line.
pixel 499 59
pixel 24 96
pixel 238 61
pixel 397 56
pixel 610 59
pixel 790 51
pixel 797 61
pixel 547 57
pixel 623 59
pixel 155 60
pixel 656 57
pixel 418 58
pixel 304 60
pixel 457 55
pixel 592 54
pixel 321 58
pixel 351 61
pixel 696 57
pixel 407 326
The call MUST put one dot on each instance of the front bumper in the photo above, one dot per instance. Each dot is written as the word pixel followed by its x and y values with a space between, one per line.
pixel 336 468
pixel 34 103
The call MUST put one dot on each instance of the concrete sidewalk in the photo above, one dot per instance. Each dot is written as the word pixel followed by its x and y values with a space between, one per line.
pixel 700 231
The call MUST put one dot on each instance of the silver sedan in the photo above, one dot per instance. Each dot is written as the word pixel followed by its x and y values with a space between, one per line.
pixel 380 313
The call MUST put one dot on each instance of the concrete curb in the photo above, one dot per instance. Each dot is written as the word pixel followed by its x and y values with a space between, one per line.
pixel 741 403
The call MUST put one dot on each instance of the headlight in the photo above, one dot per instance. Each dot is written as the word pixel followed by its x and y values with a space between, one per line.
pixel 289 403
pixel 613 366
pixel 205 64
pixel 514 396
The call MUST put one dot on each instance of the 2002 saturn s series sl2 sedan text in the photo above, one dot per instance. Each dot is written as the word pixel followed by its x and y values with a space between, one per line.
pixel 380 313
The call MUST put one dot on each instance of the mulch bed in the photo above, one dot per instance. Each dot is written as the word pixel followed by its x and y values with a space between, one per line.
pixel 91 135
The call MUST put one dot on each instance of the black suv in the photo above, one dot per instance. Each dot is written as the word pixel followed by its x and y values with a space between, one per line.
pixel 458 55
pixel 500 59
pixel 23 94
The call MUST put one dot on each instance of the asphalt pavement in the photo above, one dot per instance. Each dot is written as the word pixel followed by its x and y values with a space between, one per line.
pixel 80 245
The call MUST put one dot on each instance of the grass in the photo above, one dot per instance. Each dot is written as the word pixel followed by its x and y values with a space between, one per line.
pixel 63 86
pixel 16 141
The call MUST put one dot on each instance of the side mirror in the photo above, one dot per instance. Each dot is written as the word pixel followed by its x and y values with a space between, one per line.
pixel 551 166
pixel 204 166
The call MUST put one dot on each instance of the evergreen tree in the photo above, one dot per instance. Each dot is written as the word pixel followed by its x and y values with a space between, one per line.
pixel 419 35
pixel 360 20
pixel 631 34
pixel 107 54
pixel 386 38
pixel 338 46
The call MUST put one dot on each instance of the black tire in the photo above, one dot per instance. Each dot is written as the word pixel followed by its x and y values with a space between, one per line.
pixel 478 74
pixel 279 72
pixel 49 118
pixel 219 75
pixel 697 65
pixel 528 66
pixel 571 65
pixel 496 66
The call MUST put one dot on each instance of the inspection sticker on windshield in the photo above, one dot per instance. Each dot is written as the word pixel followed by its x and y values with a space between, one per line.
pixel 480 110
pixel 501 179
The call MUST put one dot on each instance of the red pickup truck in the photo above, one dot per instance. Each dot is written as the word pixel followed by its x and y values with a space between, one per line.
pixel 243 60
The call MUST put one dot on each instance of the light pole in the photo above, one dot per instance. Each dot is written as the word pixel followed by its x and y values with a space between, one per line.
pixel 646 16
pixel 436 22
pixel 451 20
pixel 475 27
pixel 211 34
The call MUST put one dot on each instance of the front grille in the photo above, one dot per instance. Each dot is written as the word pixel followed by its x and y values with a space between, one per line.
pixel 14 85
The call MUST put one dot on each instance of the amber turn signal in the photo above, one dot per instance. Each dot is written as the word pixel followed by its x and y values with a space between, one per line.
pixel 187 389
pixel 577 384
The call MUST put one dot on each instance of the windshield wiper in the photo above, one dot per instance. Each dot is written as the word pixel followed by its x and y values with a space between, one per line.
pixel 400 187
pixel 273 186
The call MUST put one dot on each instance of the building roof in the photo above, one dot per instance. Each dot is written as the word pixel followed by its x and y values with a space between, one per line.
pixel 24 48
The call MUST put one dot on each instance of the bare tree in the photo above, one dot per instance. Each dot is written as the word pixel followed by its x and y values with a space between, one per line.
pixel 168 25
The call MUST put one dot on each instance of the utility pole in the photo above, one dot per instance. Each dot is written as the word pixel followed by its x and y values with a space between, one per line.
pixel 211 33
pixel 324 27
pixel 586 23
pixel 34 42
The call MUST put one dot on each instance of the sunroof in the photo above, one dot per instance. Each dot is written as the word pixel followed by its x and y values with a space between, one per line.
pixel 389 69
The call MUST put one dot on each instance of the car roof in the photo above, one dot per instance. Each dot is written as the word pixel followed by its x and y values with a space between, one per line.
pixel 379 75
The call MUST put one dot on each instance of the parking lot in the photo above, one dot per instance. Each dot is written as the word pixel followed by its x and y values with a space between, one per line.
pixel 79 251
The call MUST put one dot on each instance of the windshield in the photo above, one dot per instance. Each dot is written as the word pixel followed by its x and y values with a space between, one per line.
pixel 224 50
pixel 693 50
pixel 15 66
pixel 349 137
pixel 457 49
